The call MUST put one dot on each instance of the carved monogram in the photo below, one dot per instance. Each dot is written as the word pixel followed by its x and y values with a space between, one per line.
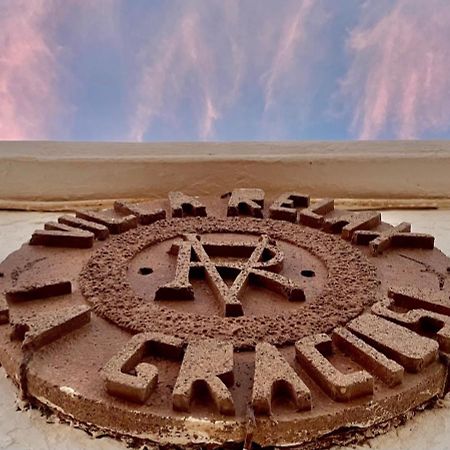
pixel 247 261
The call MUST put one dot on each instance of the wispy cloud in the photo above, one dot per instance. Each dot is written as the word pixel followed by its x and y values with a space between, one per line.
pixel 292 34
pixel 182 65
pixel 398 80
pixel 224 69
pixel 211 51
pixel 28 70
pixel 34 82
pixel 181 58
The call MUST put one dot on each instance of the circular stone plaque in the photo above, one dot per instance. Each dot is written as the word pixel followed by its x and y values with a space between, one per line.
pixel 203 322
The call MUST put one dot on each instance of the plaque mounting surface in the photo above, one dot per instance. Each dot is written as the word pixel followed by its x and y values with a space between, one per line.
pixel 272 323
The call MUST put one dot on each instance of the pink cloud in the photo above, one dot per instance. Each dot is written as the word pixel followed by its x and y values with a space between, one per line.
pixel 33 79
pixel 28 70
pixel 182 55
pixel 398 81
pixel 213 62
pixel 159 83
pixel 293 32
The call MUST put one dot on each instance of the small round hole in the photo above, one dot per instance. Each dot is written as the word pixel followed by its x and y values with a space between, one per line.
pixel 2 274
pixel 308 273
pixel 145 270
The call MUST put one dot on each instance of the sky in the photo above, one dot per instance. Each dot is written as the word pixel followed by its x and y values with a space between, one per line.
pixel 224 70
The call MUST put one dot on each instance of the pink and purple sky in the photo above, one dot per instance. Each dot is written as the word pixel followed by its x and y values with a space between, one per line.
pixel 152 70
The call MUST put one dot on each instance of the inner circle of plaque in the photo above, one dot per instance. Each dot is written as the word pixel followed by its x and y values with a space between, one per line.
pixel 122 277
pixel 258 298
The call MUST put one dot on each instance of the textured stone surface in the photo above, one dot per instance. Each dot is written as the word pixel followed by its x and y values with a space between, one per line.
pixel 426 433
pixel 350 285
pixel 412 351
pixel 286 205
pixel 372 360
pixel 314 215
pixel 349 223
pixel 137 387
pixel 424 311
pixel 37 331
pixel 273 373
pixel 194 256
pixel 398 236
pixel 207 365
pixel 145 217
pixel 100 231
pixel 311 353
pixel 4 310
pixel 39 290
pixel 58 238
pixel 182 205
pixel 115 225
pixel 246 202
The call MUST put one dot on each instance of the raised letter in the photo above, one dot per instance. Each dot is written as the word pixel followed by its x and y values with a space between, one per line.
pixel 341 387
pixel 70 239
pixel 100 231
pixel 399 236
pixel 182 205
pixel 35 332
pixel 412 351
pixel 144 216
pixel 314 215
pixel 272 371
pixel 375 362
pixel 285 206
pixel 208 363
pixel 137 388
pixel 39 290
pixel 115 225
pixel 348 223
pixel 246 202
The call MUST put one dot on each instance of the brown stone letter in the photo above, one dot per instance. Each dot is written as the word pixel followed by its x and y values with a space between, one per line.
pixel 341 387
pixel 375 362
pixel 421 311
pixel 182 205
pixel 285 206
pixel 137 388
pixel 35 332
pixel 115 225
pixel 412 351
pixel 272 371
pixel 246 202
pixel 209 363
pixel 314 215
pixel 145 217
pixel 348 223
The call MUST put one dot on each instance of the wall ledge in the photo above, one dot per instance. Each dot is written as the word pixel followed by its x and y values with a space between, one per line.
pixel 62 174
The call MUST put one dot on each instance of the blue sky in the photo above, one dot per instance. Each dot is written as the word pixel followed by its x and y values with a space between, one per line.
pixel 143 70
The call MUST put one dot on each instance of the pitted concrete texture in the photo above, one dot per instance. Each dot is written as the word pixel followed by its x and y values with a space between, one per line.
pixel 285 207
pixel 144 217
pixel 182 205
pixel 350 223
pixel 400 236
pixel 116 225
pixel 246 202
pixel 100 231
pixel 137 388
pixel 60 238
